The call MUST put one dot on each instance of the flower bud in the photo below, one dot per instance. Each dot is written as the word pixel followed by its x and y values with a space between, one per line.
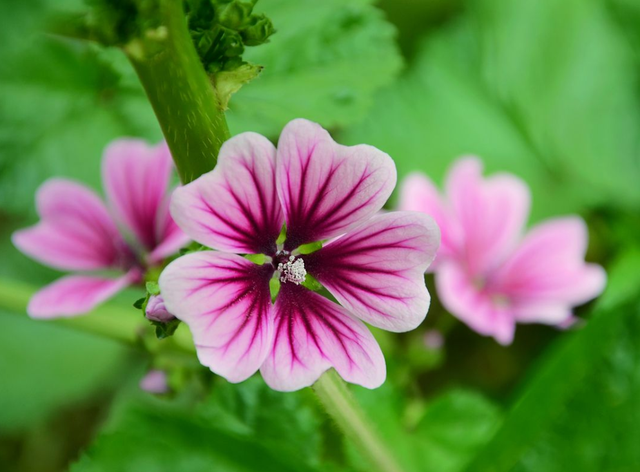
pixel 156 310
pixel 258 30
pixel 155 382
pixel 234 14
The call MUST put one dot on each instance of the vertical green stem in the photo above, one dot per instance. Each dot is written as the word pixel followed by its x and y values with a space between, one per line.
pixel 180 92
pixel 345 411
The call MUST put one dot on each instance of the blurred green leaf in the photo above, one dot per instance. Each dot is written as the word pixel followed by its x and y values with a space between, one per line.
pixel 60 104
pixel 446 435
pixel 324 63
pixel 580 410
pixel 160 436
pixel 289 422
pixel 545 89
pixel 46 367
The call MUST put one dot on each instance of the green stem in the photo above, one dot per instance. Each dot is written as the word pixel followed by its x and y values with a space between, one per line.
pixel 352 421
pixel 180 92
pixel 109 320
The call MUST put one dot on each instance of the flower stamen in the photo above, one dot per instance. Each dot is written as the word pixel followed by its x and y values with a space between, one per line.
pixel 292 271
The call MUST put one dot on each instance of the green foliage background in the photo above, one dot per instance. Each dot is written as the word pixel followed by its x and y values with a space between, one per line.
pixel 546 89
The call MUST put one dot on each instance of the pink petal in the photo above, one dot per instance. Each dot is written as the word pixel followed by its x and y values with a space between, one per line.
pixel 76 231
pixel 76 295
pixel 234 207
pixel 491 213
pixel 549 266
pixel 326 188
pixel 377 270
pixel 136 177
pixel 418 193
pixel 314 334
pixel 474 306
pixel 225 300
pixel 172 238
pixel 533 311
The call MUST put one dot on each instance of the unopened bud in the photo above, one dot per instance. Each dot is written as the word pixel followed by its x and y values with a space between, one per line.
pixel 234 14
pixel 258 31
pixel 156 310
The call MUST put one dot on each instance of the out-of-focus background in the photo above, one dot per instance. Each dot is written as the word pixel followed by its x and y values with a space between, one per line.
pixel 546 89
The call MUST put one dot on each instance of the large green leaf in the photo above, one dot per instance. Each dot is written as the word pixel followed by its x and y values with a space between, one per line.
pixel 60 104
pixel 165 436
pixel 441 438
pixel 289 422
pixel 324 63
pixel 544 89
pixel 46 367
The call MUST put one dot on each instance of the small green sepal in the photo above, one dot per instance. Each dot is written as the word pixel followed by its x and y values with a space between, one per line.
pixel 153 288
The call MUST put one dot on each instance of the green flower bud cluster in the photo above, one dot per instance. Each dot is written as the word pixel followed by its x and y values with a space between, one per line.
pixel 222 28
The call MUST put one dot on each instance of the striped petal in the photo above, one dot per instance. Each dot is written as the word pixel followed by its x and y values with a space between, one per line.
pixel 235 207
pixel 136 179
pixel 326 188
pixel 225 300
pixel 313 334
pixel 377 270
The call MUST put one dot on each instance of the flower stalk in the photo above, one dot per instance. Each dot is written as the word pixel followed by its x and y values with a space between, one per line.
pixel 184 101
pixel 342 407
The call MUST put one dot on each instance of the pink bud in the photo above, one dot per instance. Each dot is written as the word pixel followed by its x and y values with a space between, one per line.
pixel 155 382
pixel 156 310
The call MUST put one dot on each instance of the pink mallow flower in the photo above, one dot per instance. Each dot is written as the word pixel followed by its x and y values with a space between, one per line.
pixel 487 274
pixel 373 263
pixel 78 232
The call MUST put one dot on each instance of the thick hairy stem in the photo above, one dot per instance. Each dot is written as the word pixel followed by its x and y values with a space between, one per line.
pixel 180 92
pixel 340 404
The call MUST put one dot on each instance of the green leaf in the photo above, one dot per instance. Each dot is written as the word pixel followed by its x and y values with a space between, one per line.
pixel 324 64
pixel 579 411
pixel 140 303
pixel 61 102
pixel 162 436
pixel 289 422
pixel 519 84
pixel 445 435
pixel 46 368
pixel 153 288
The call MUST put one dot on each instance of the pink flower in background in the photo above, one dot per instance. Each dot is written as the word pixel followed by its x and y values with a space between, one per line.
pixel 373 263
pixel 78 232
pixel 489 275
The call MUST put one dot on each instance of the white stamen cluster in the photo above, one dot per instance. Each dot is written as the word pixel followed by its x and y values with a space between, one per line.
pixel 292 271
